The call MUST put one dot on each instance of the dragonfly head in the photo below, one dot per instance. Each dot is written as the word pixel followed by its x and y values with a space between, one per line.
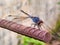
pixel 41 21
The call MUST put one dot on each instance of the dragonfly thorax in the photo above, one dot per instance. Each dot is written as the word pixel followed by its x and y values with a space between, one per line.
pixel 35 19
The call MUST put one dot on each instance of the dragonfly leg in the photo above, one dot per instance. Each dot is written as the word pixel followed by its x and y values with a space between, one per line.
pixel 34 25
pixel 39 26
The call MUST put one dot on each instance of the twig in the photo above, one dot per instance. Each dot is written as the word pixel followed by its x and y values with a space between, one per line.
pixel 27 31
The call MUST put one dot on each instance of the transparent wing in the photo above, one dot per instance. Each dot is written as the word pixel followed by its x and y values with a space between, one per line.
pixel 21 18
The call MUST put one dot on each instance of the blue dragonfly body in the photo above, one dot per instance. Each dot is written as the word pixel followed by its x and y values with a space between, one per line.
pixel 36 20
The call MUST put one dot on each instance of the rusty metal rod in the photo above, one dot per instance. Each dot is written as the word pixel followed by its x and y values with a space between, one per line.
pixel 27 31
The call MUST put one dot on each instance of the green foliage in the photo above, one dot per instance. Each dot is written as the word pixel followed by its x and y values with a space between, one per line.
pixel 58 3
pixel 56 31
pixel 31 41
pixel 57 27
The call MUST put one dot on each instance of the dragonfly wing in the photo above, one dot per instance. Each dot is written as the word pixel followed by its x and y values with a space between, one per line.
pixel 21 18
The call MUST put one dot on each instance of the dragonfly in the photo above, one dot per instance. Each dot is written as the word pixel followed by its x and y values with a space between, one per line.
pixel 37 21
